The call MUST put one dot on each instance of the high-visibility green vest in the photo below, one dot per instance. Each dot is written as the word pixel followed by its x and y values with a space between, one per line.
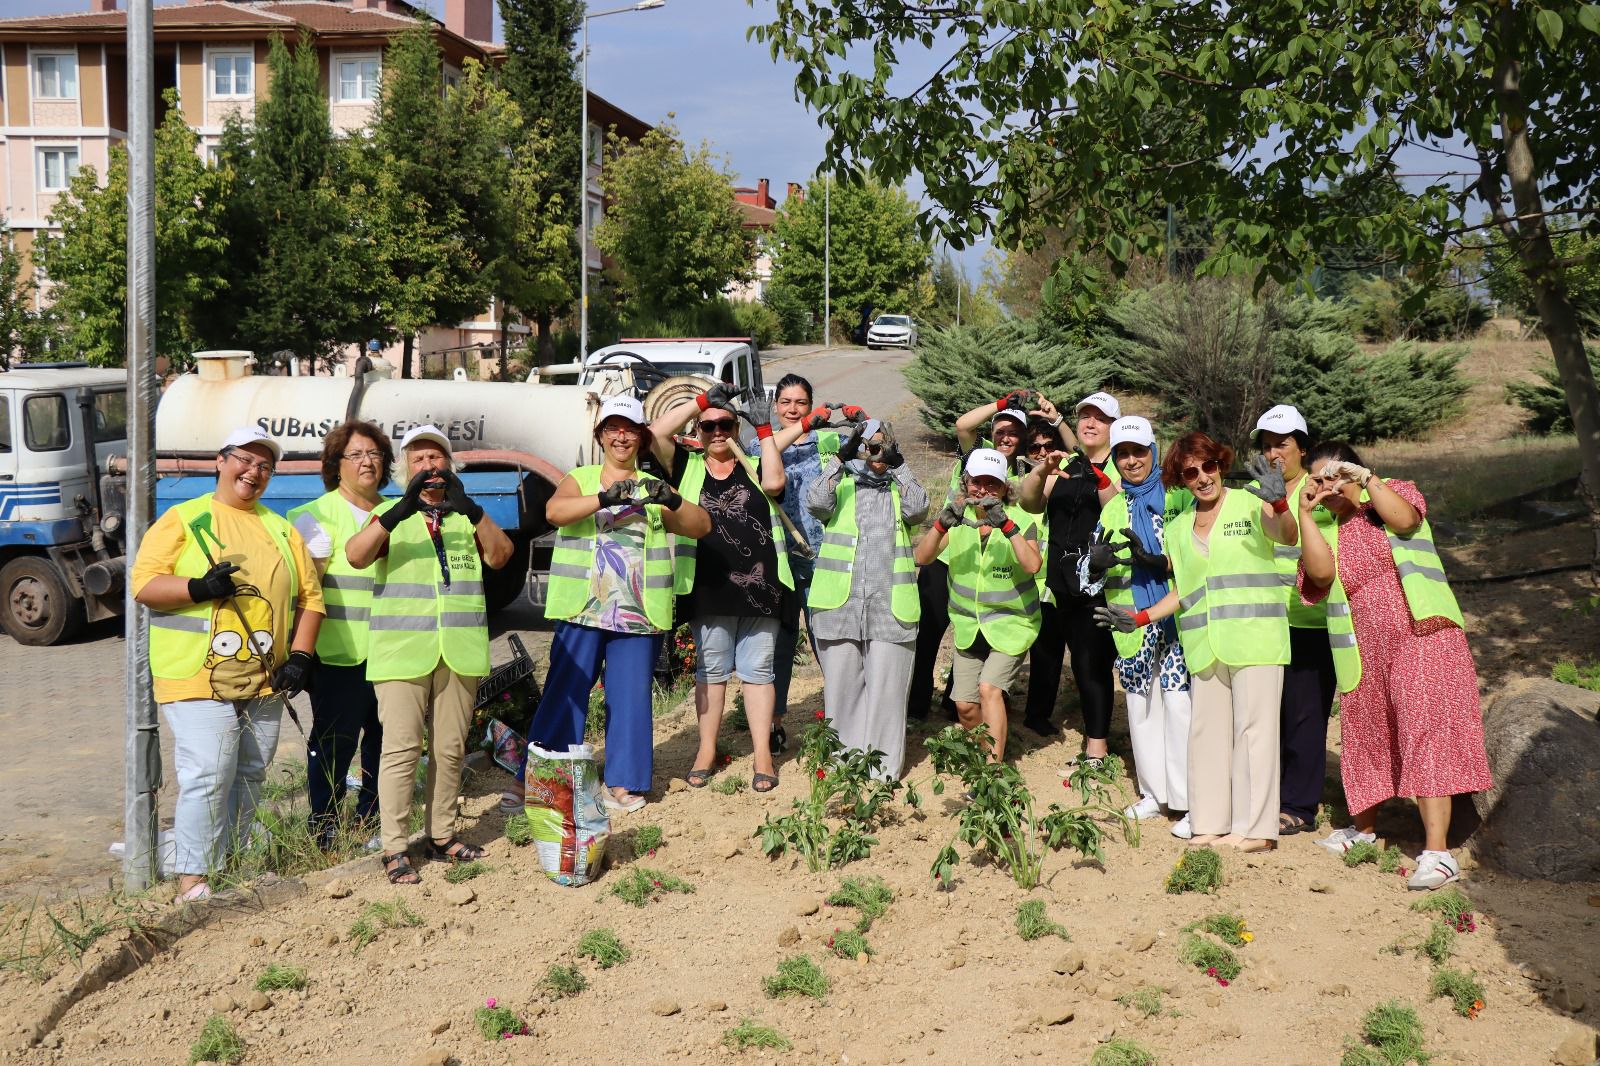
pixel 1301 615
pixel 346 591
pixel 415 620
pixel 1231 605
pixel 1119 579
pixel 572 560
pixel 828 441
pixel 694 480
pixel 990 593
pixel 830 584
pixel 1422 579
pixel 180 639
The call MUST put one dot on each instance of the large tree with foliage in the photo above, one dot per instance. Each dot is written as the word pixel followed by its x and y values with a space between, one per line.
pixel 671 222
pixel 23 331
pixel 878 262
pixel 1094 114
pixel 87 262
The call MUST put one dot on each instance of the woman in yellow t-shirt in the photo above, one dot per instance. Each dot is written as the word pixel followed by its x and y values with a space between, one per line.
pixel 235 606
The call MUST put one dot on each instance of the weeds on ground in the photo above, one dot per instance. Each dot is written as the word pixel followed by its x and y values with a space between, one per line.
pixel 1463 990
pixel 34 937
pixel 640 884
pixel 1001 818
pixel 747 1034
pixel 1451 904
pixel 870 896
pixel 1391 1035
pixel 1122 1052
pixel 219 1041
pixel 1033 923
pixel 466 871
pixel 847 944
pixel 378 916
pixel 497 1023
pixel 1436 947
pixel 1199 870
pixel 646 839
pixel 288 779
pixel 1146 999
pixel 1584 676
pixel 282 842
pixel 518 830
pixel 736 720
pixel 728 785
pixel 1388 860
pixel 1216 960
pixel 845 802
pixel 594 722
pixel 563 981
pixel 603 947
pixel 797 975
pixel 1229 927
pixel 277 978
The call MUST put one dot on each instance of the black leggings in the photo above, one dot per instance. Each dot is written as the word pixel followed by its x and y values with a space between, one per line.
pixel 1068 626
pixel 933 593
pixel 1308 684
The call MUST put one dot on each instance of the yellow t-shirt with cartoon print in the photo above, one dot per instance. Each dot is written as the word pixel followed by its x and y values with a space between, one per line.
pixel 234 668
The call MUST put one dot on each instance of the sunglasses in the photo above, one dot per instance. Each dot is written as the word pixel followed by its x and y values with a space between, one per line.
pixel 725 426
pixel 1039 446
pixel 1192 473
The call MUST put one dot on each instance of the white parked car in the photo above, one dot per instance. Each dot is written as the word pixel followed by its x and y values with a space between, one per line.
pixel 892 331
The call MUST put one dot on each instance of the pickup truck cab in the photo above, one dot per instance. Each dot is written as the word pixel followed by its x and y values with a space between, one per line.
pixel 734 360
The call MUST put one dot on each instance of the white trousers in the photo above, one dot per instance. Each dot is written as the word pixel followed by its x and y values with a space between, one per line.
pixel 864 690
pixel 1158 725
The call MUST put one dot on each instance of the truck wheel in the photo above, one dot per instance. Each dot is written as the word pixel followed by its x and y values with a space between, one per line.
pixel 501 586
pixel 36 607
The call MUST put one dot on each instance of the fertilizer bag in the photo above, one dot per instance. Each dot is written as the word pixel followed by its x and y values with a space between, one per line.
pixel 565 813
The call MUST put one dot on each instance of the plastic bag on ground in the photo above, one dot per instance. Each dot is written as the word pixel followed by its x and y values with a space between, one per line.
pixel 566 813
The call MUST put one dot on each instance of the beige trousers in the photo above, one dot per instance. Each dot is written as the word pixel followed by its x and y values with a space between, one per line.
pixel 438 706
pixel 1233 750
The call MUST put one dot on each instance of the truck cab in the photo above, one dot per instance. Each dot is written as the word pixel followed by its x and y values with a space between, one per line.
pixel 734 360
pixel 60 514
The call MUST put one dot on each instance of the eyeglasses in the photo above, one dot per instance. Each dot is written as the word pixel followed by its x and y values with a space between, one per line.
pixel 259 466
pixel 356 457
pixel 1209 467
pixel 620 431
pixel 725 426
pixel 1039 446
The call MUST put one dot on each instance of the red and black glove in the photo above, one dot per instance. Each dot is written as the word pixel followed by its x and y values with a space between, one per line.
pixel 817 418
pixel 719 395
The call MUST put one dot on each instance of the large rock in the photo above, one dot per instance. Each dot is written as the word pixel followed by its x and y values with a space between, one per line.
pixel 1542 817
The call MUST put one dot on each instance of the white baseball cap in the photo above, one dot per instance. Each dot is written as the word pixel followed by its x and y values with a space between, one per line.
pixel 1016 416
pixel 986 462
pixel 1106 402
pixel 253 435
pixel 1284 418
pixel 433 434
pixel 1132 430
pixel 621 407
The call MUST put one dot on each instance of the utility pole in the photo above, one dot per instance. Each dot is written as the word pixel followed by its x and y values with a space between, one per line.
pixel 827 262
pixel 142 751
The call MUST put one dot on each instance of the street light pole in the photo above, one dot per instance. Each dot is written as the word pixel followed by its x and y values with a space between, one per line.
pixel 583 174
pixel 827 262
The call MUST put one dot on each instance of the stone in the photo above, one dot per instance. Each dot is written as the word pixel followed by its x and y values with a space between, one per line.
pixel 1336 990
pixel 222 1003
pixel 1069 963
pixel 331 940
pixel 677 784
pixel 432 1057
pixel 1213 999
pixel 1594 901
pixel 460 895
pixel 1568 998
pixel 438 1025
pixel 789 937
pixel 664 1008
pixel 1321 887
pixel 807 907
pixel 258 1001
pixel 728 849
pixel 1143 942
pixel 862 958
pixel 1541 818
pixel 258 941
pixel 696 832
pixel 338 888
pixel 956 960
pixel 1107 992
pixel 1228 1030
pixel 1578 1049
pixel 716 1006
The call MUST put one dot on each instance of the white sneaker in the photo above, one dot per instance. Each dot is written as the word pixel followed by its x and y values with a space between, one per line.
pixel 1181 828
pixel 1435 869
pixel 1339 840
pixel 1147 807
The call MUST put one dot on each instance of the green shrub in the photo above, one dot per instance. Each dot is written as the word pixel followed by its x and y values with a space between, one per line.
pixel 563 981
pixel 1451 904
pixel 646 840
pixel 847 944
pixel 1382 309
pixel 466 871
pixel 1146 999
pixel 641 884
pixel 1391 1035
pixel 1229 927
pixel 713 318
pixel 518 831
pixel 1569 673
pixel 1121 1051
pixel 1214 959
pixel 747 1034
pixel 797 975
pixel 277 978
pixel 757 320
pixel 1461 989
pixel 377 916
pixel 1199 870
pixel 1439 944
pixel 1545 400
pixel 218 1042
pixel 496 1023
pixel 797 321
pixel 870 896
pixel 1032 923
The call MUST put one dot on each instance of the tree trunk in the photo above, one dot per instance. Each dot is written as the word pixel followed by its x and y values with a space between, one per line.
pixel 546 346
pixel 405 357
pixel 505 364
pixel 1538 257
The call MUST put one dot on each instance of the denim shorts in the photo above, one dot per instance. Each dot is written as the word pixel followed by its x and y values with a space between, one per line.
pixel 728 645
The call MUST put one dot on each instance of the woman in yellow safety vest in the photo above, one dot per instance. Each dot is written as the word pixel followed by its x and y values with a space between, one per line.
pixel 357 460
pixel 1408 713
pixel 1234 628
pixel 994 597
pixel 864 592
pixel 610 596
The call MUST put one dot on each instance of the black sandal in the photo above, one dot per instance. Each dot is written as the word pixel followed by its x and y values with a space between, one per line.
pixel 398 869
pixel 453 850
pixel 1289 825
pixel 699 778
pixel 778 740
pixel 757 780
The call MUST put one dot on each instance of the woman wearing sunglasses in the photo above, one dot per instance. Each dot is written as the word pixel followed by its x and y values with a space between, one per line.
pixel 1409 712
pixel 733 581
pixel 1233 624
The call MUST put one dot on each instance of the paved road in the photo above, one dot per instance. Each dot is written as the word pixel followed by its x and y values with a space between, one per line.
pixel 61 708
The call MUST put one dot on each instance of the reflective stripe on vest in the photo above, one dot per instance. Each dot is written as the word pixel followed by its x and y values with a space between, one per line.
pixel 179 640
pixel 572 559
pixel 347 592
pixel 990 593
pixel 835 567
pixel 1301 616
pixel 1119 579
pixel 1231 604
pixel 694 480
pixel 415 621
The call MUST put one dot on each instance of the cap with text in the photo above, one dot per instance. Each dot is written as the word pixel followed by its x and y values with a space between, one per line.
pixel 1013 416
pixel 1104 401
pixel 1284 418
pixel 1132 430
pixel 252 435
pixel 426 435
pixel 621 407
pixel 986 462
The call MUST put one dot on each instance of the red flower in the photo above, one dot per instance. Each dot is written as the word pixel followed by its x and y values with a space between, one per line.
pixel 820 716
pixel 1211 971
pixel 1223 981
pixel 821 774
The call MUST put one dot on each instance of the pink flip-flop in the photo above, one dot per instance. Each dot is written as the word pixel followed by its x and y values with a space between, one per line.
pixel 196 893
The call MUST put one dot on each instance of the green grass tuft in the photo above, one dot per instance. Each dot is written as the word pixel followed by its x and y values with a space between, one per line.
pixel 1439 944
pixel 640 884
pixel 646 840
pixel 1122 1052
pixel 1195 950
pixel 847 944
pixel 1199 870
pixel 1462 989
pixel 1391 1035
pixel 277 978
pixel 466 871
pixel 747 1034
pixel 1451 904
pixel 518 831
pixel 1361 851
pixel 797 975
pixel 496 1022
pixel 870 896
pixel 218 1042
pixel 1146 999
pixel 378 916
pixel 287 780
pixel 728 785
pixel 563 981
pixel 603 947
pixel 1571 673
pixel 1229 927
pixel 1033 923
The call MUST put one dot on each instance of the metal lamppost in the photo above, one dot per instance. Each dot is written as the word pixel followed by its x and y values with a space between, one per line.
pixel 583 174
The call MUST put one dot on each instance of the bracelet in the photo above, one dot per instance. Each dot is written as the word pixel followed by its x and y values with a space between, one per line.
pixel 1010 528
pixel 764 431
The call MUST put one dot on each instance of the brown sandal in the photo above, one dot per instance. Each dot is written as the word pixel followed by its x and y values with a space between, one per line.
pixel 453 850
pixel 398 869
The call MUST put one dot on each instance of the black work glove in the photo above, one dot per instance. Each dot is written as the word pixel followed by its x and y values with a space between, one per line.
pixel 756 410
pixel 410 503
pixel 720 395
pixel 850 412
pixel 457 500
pixel 1103 554
pixel 1269 486
pixel 294 676
pixel 660 492
pixel 850 447
pixel 1150 560
pixel 889 453
pixel 619 493
pixel 214 584
pixel 1113 617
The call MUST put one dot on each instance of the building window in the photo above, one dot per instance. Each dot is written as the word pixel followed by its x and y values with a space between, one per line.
pixel 55 76
pixel 358 80
pixel 230 73
pixel 57 168
pixel 597 145
pixel 596 215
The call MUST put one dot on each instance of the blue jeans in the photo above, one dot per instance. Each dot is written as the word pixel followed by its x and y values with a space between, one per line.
pixel 578 655
pixel 220 756
pixel 789 637
pixel 344 719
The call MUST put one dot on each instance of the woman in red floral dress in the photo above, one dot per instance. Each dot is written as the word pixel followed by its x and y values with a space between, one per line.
pixel 1411 724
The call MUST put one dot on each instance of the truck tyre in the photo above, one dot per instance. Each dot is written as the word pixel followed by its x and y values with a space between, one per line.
pixel 501 586
pixel 36 606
